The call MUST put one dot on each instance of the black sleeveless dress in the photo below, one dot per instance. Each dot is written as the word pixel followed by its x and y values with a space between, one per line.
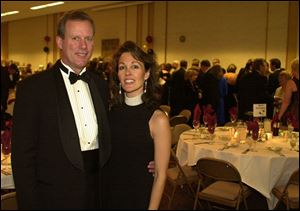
pixel 130 183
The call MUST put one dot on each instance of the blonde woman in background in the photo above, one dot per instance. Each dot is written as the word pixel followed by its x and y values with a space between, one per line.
pixel 283 78
pixel 290 102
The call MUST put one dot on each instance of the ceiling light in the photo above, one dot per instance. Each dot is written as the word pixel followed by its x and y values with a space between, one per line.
pixel 46 5
pixel 9 13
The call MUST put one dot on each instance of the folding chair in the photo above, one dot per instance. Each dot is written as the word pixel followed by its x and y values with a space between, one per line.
pixel 187 113
pixel 226 187
pixel 178 119
pixel 180 176
pixel 289 193
pixel 166 109
pixel 9 201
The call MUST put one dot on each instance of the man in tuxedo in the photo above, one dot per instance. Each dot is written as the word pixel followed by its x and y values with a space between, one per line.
pixel 61 138
pixel 273 84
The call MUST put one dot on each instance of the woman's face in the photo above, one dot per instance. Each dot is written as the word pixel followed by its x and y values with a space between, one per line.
pixel 132 74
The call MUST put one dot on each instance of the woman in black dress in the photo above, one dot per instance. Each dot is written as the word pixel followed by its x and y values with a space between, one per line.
pixel 140 132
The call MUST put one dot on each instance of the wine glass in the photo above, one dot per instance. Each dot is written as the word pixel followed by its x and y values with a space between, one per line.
pixel 249 141
pixel 292 141
pixel 290 125
pixel 205 120
pixel 196 125
pixel 233 118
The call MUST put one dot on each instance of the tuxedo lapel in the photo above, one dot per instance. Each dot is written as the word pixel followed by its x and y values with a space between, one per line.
pixel 103 128
pixel 66 122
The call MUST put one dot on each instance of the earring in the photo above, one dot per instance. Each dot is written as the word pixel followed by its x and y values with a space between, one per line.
pixel 120 88
pixel 145 86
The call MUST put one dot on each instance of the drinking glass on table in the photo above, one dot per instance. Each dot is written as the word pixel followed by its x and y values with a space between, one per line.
pixel 292 140
pixel 233 119
pixel 205 120
pixel 196 125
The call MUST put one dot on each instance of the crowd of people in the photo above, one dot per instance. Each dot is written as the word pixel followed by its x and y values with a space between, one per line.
pixel 86 133
pixel 204 83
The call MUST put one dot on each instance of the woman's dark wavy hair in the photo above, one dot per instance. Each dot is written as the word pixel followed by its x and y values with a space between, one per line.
pixel 153 93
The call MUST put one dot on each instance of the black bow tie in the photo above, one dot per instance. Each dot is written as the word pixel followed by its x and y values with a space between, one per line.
pixel 74 77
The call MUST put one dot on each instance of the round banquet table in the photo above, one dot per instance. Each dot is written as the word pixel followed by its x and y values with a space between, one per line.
pixel 261 169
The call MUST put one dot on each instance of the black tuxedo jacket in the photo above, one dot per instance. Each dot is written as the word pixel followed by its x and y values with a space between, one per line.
pixel 46 156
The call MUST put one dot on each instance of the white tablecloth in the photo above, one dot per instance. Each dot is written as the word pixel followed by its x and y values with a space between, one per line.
pixel 7 181
pixel 261 170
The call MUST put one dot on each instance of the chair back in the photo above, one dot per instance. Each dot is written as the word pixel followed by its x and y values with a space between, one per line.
pixel 187 113
pixel 294 178
pixel 185 175
pixel 166 109
pixel 9 201
pixel 178 119
pixel 176 132
pixel 218 169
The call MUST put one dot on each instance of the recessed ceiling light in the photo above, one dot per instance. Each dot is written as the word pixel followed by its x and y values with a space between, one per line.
pixel 9 13
pixel 46 5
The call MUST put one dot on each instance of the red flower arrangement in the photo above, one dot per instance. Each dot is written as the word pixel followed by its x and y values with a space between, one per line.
pixel 6 138
pixel 292 119
pixel 211 118
pixel 197 112
pixel 253 126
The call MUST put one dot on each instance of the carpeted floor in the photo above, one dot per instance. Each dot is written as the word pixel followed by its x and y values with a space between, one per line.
pixel 183 200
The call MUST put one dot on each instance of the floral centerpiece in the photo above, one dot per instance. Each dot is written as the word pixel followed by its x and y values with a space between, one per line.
pixel 6 138
pixel 233 114
pixel 253 128
pixel 211 118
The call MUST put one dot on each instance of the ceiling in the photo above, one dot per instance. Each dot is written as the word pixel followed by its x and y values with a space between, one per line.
pixel 26 12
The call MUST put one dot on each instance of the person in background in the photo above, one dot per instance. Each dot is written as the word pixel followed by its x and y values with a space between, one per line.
pixel 5 83
pixel 14 75
pixel 49 65
pixel 290 102
pixel 231 98
pixel 284 77
pixel 222 87
pixel 165 82
pixel 253 90
pixel 177 94
pixel 175 66
pixel 140 132
pixel 273 83
pixel 61 136
pixel 192 92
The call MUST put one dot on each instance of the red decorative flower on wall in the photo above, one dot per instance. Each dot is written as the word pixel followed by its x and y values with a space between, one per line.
pixel 149 39
pixel 47 38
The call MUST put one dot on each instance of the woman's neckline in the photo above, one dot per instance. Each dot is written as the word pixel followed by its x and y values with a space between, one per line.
pixel 133 101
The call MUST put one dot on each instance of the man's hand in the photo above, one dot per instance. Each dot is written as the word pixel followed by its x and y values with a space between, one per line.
pixel 151 167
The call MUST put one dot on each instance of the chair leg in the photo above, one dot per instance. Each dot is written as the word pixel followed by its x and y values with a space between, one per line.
pixel 172 196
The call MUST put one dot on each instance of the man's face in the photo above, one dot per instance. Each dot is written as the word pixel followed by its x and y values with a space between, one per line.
pixel 77 45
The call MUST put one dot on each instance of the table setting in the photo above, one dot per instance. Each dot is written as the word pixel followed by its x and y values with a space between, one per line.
pixel 270 158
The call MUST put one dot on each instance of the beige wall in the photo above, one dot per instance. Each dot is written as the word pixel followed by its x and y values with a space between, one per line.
pixel 232 31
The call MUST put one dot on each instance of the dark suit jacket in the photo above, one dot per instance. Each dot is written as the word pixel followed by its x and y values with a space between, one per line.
pixel 177 91
pixel 46 156
pixel 211 94
pixel 273 82
pixel 253 89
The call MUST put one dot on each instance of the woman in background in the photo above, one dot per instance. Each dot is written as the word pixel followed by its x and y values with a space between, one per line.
pixel 290 102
